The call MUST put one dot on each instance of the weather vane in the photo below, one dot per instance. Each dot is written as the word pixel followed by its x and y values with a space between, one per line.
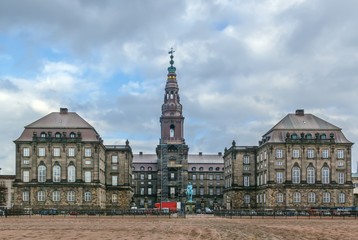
pixel 171 51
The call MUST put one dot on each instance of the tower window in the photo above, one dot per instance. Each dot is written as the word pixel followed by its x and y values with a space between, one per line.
pixel 171 131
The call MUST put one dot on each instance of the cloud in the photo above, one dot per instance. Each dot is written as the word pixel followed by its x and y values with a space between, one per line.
pixel 241 66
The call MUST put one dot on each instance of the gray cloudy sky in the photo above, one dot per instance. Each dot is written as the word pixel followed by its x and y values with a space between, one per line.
pixel 241 65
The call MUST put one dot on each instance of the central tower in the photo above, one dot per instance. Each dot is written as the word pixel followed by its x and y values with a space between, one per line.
pixel 172 153
pixel 172 120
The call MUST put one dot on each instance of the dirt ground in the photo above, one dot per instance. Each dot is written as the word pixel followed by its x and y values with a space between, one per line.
pixel 193 227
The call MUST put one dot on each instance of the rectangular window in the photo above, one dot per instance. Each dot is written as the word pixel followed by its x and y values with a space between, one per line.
pixel 211 177
pixel 296 197
pixel 149 176
pixel 114 159
pixel 265 154
pixel 194 191
pixel 88 162
pixel 114 167
pixel 142 176
pixel 172 176
pixel 56 152
pixel 310 153
pixel 279 153
pixel 279 197
pixel 25 196
pixel 296 153
pixel 87 196
pixel 88 152
pixel 246 181
pixel 114 198
pixel 211 191
pixel 340 178
pixel 340 154
pixel 246 168
pixel 42 152
pixel 279 178
pixel 342 198
pixel 247 198
pixel 141 191
pixel 172 190
pixel 325 153
pixel 201 191
pixel 71 152
pixel 41 196
pixel 26 177
pixel 26 162
pixel 88 177
pixel 201 176
pixel 326 197
pixel 246 159
pixel 149 191
pixel 26 152
pixel 114 180
pixel 194 176
pixel 340 164
pixel 218 191
pixel 311 197
pixel 218 177
pixel 71 196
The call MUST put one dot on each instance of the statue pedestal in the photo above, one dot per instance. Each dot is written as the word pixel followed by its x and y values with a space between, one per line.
pixel 190 207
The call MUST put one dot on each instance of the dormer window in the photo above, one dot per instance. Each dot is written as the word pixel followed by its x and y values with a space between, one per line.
pixel 57 135
pixel 72 135
pixel 309 136
pixel 201 169
pixel 323 136
pixel 193 169
pixel 294 136
pixel 43 135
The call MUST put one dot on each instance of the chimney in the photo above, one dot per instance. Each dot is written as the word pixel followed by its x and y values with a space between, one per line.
pixel 140 153
pixel 200 154
pixel 300 112
pixel 63 110
pixel 220 153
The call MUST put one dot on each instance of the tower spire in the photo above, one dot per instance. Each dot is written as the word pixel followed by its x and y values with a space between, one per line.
pixel 171 69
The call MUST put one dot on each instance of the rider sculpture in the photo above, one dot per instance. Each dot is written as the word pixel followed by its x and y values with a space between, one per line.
pixel 189 192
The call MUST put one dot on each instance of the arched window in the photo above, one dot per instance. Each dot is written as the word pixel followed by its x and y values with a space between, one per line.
pixel 43 135
pixel 201 169
pixel 56 196
pixel 42 174
pixel 295 175
pixel 171 131
pixel 71 173
pixel 342 198
pixel 56 173
pixel 142 168
pixel 217 169
pixel 326 197
pixel 309 136
pixel 210 169
pixel 323 136
pixel 149 168
pixel 247 198
pixel 325 175
pixel 193 169
pixel 296 197
pixel 310 175
pixel 57 135
pixel 72 135
pixel 311 197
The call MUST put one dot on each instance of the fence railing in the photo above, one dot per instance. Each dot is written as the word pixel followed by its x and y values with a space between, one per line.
pixel 91 212
pixel 273 213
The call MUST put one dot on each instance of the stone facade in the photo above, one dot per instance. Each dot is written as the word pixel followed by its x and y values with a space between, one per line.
pixel 303 162
pixel 61 162
pixel 6 191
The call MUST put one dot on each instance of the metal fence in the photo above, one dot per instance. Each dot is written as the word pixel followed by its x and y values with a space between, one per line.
pixel 91 212
pixel 287 213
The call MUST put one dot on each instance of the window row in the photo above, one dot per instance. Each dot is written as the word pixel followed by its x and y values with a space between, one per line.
pixel 296 198
pixel 310 153
pixel 202 169
pixel 56 196
pixel 57 135
pixel 325 176
pixel 56 174
pixel 57 152
pixel 210 177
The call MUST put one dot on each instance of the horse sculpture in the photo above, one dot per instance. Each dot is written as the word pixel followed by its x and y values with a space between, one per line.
pixel 189 192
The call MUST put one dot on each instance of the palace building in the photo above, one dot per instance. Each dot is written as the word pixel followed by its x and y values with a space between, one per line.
pixel 302 162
